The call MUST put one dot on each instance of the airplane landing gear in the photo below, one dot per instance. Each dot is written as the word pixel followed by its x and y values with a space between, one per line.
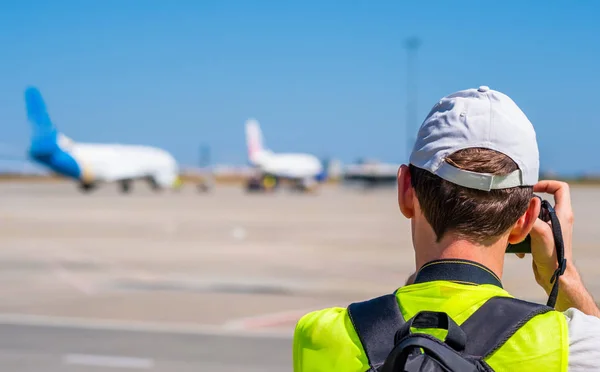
pixel 303 188
pixel 153 184
pixel 254 185
pixel 265 183
pixel 125 186
pixel 86 187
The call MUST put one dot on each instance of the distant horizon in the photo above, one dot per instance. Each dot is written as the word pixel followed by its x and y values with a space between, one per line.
pixel 30 168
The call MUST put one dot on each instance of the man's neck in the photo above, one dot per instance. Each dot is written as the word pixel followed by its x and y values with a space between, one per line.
pixel 491 257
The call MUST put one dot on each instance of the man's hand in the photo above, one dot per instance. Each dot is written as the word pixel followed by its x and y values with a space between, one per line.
pixel 572 292
pixel 543 249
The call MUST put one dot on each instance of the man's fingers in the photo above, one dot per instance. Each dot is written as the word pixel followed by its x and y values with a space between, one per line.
pixel 562 196
pixel 520 255
pixel 542 239
pixel 549 186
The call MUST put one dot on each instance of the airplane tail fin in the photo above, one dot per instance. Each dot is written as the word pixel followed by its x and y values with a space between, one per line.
pixel 44 133
pixel 254 140
pixel 37 114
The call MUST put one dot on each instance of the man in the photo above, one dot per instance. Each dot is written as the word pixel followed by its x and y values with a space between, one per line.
pixel 468 192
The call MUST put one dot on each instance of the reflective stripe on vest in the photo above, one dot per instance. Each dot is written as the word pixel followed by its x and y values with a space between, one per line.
pixel 326 341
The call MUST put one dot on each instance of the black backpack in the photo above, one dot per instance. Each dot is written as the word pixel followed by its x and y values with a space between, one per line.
pixel 391 346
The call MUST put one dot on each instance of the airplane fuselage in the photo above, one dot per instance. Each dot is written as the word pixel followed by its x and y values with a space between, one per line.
pixel 92 163
pixel 108 162
pixel 289 165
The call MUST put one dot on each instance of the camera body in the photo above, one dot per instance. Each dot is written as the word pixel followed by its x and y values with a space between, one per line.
pixel 525 245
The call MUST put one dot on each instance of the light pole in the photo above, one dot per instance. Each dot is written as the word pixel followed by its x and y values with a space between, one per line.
pixel 412 45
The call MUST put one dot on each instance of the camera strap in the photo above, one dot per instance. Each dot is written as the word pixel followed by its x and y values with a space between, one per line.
pixel 560 253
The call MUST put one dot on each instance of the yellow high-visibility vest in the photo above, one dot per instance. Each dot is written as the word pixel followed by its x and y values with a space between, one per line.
pixel 326 340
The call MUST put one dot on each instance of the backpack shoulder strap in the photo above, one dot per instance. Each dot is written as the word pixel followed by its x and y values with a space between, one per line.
pixel 496 321
pixel 376 322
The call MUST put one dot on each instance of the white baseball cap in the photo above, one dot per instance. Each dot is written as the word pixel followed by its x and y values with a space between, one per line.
pixel 481 118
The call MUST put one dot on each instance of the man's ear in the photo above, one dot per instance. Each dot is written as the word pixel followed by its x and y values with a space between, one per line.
pixel 525 223
pixel 406 193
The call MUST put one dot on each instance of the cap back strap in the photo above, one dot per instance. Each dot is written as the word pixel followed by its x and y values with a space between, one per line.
pixel 479 181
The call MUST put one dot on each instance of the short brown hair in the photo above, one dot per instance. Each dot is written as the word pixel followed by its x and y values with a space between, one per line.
pixel 478 216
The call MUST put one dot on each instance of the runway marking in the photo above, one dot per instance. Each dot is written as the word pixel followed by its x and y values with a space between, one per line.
pixel 108 361
pixel 73 281
pixel 133 326
pixel 85 286
pixel 66 276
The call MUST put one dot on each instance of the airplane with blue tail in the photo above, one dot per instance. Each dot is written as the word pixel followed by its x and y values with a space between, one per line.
pixel 305 171
pixel 92 164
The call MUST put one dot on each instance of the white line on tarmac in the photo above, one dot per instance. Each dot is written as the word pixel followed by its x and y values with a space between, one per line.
pixel 85 286
pixel 70 279
pixel 108 361
pixel 133 326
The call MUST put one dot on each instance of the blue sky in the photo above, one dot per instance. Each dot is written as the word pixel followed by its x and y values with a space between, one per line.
pixel 327 77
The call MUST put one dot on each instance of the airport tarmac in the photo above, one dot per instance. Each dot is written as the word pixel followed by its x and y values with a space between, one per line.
pixel 191 281
pixel 54 349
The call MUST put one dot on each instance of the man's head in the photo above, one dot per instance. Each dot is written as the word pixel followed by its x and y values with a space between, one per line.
pixel 472 171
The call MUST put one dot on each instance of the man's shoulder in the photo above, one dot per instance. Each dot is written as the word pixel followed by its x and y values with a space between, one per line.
pixel 319 324
pixel 327 321
pixel 325 340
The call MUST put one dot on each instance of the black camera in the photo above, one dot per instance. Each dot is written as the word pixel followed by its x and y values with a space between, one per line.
pixel 525 245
